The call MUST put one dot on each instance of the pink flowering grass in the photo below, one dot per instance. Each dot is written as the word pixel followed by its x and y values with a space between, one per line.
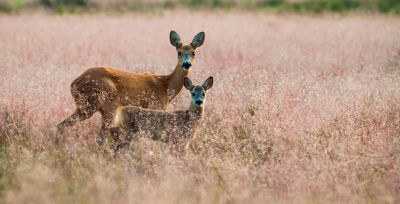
pixel 304 109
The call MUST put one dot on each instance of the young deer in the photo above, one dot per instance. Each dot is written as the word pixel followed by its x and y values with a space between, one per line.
pixel 105 89
pixel 178 127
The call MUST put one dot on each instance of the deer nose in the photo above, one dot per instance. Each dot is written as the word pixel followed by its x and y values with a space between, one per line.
pixel 186 65
pixel 198 102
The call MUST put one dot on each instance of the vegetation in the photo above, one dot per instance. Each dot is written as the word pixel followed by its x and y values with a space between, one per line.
pixel 337 6
pixel 307 6
pixel 304 109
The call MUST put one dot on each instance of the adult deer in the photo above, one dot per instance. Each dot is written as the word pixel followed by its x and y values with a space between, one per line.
pixel 178 127
pixel 105 89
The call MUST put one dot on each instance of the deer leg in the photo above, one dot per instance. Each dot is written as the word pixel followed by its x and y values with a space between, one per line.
pixel 116 134
pixel 74 118
pixel 108 114
pixel 70 121
pixel 122 145
pixel 102 139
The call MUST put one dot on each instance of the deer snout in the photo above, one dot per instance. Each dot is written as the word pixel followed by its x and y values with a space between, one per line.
pixel 186 65
pixel 198 102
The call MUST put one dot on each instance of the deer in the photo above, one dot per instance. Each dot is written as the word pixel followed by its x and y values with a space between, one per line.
pixel 179 127
pixel 105 89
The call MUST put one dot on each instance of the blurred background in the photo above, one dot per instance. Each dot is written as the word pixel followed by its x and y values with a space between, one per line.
pixel 278 6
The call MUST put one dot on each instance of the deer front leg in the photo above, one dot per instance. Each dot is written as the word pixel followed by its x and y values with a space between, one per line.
pixel 108 115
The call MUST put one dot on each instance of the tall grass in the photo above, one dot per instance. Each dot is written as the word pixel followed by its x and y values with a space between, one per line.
pixel 303 109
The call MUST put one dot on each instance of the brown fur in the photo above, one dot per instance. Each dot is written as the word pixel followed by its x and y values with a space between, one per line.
pixel 105 89
pixel 177 127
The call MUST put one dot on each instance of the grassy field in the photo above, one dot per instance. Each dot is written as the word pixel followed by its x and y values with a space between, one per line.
pixel 304 109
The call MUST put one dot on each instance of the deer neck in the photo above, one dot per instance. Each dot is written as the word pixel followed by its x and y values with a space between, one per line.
pixel 175 81
pixel 196 110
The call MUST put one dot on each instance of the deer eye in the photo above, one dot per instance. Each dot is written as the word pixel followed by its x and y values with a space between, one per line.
pixel 193 53
pixel 193 94
pixel 179 54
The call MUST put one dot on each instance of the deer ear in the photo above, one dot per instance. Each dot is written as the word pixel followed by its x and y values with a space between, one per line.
pixel 187 83
pixel 208 83
pixel 175 39
pixel 198 40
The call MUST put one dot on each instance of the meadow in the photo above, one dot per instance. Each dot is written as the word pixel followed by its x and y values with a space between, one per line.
pixel 304 108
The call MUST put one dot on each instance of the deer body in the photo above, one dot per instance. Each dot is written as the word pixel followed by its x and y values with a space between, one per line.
pixel 104 86
pixel 105 89
pixel 177 126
